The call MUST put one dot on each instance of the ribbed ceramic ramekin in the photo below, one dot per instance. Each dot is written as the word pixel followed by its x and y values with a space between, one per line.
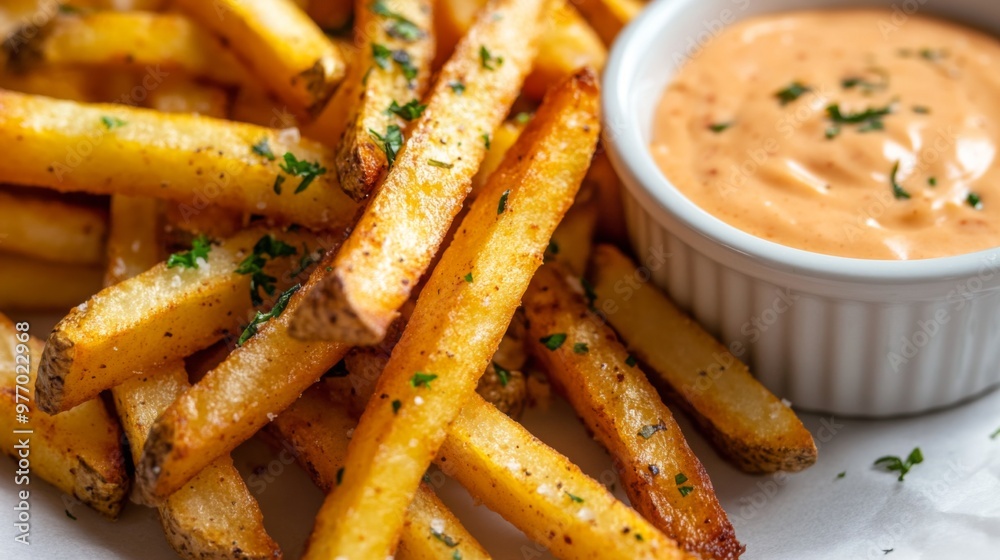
pixel 834 334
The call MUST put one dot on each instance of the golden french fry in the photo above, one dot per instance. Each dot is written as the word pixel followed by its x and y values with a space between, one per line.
pixel 194 160
pixel 747 423
pixel 383 90
pixel 664 479
pixel 170 42
pixel 79 452
pixel 30 284
pixel 367 281
pixel 572 241
pixel 159 316
pixel 543 493
pixel 182 95
pixel 280 44
pixel 134 244
pixel 608 17
pixel 316 427
pixel 503 138
pixel 330 14
pixel 462 314
pixel 62 83
pixel 51 229
pixel 611 220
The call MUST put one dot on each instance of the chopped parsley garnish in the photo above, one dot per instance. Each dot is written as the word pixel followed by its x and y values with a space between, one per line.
pixel 411 111
pixel 261 318
pixel 894 463
pixel 679 479
pixel 399 26
pixel 588 292
pixel 504 374
pixel 263 148
pixel 522 117
pixel 974 201
pixel 648 430
pixel 933 55
pixel 719 127
pixel 340 475
pixel 630 361
pixel 278 181
pixel 995 434
pixel 253 264
pixel 638 537
pixel 70 515
pixel 503 202
pixel 486 140
pixel 447 540
pixel 391 142
pixel 457 87
pixel 869 119
pixel 307 260
pixel 553 341
pixel 468 277
pixel 384 57
pixel 685 490
pixel 921 109
pixel 575 498
pixel 897 191
pixel 866 85
pixel 489 60
pixel 841 474
pixel 396 404
pixel 456 555
pixel 422 379
pixel 189 259
pixel 831 132
pixel 581 348
pixel 794 91
pixel 440 164
pixel 112 123
pixel 932 181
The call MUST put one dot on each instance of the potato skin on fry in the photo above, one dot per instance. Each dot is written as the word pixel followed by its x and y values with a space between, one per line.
pixel 746 422
pixel 617 403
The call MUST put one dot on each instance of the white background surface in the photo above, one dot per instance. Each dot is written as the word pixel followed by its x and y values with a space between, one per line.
pixel 948 507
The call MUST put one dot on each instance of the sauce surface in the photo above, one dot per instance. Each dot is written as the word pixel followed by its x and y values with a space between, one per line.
pixel 841 132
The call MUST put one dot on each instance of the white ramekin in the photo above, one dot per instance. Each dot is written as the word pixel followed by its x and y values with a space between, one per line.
pixel 840 335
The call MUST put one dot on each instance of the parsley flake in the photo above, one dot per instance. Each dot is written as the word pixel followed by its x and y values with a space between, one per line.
pixel 648 430
pixel 263 148
pixel 504 375
pixel 995 434
pixel 575 498
pixel 266 247
pixel 399 26
pixel 446 539
pixel 685 490
pixel 792 92
pixel 894 463
pixel 897 190
pixel 112 123
pixel 630 361
pixel 522 118
pixel 396 404
pixel 719 127
pixel 488 60
pixel 411 111
pixel 841 474
pixel 468 277
pixel 974 201
pixel 261 318
pixel 581 348
pixel 502 206
pixel 441 164
pixel 189 259
pixel 869 119
pixel 422 379
pixel 457 87
pixel 932 181
pixel 486 140
pixel 553 341
pixel 392 142
pixel 308 170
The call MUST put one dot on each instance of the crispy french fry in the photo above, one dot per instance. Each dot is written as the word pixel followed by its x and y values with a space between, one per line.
pixel 29 284
pixel 543 493
pixel 573 239
pixel 171 42
pixel 461 314
pixel 50 229
pixel 162 315
pixel 502 139
pixel 179 95
pixel 62 83
pixel 611 220
pixel 747 423
pixel 664 479
pixel 330 14
pixel 608 17
pixel 79 452
pixel 194 160
pixel 316 427
pixel 376 83
pixel 410 213
pixel 280 44
pixel 214 515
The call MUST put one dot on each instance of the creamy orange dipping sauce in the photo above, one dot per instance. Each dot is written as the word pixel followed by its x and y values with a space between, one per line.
pixel 841 132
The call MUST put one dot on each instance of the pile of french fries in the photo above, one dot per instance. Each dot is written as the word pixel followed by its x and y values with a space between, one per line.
pixel 367 230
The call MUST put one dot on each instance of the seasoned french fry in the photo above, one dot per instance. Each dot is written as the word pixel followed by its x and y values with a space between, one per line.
pixel 62 83
pixel 664 479
pixel 316 427
pixel 280 44
pixel 79 452
pixel 611 220
pixel 133 241
pixel 52 230
pixel 459 320
pixel 194 160
pixel 171 42
pixel 608 17
pixel 30 284
pixel 159 316
pixel 410 213
pixel 503 138
pixel 543 493
pixel 232 402
pixel 747 423
pixel 382 91
pixel 572 241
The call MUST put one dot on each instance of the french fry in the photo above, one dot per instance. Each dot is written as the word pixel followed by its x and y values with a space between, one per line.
pixel 457 324
pixel 503 138
pixel 604 181
pixel 664 479
pixel 159 316
pixel 73 84
pixel 747 423
pixel 410 213
pixel 376 83
pixel 572 241
pixel 180 95
pixel 330 14
pixel 608 17
pixel 316 428
pixel 543 493
pixel 30 284
pixel 214 515
pixel 280 44
pixel 78 452
pixel 49 229
pixel 171 42
pixel 194 160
